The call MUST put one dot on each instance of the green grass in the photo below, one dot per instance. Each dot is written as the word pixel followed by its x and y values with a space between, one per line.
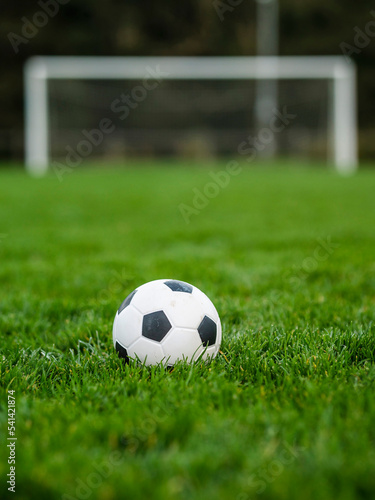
pixel 286 411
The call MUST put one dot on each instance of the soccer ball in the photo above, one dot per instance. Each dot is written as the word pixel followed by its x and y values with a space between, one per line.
pixel 164 321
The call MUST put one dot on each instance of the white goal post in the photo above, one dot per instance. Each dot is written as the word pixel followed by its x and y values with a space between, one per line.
pixel 337 69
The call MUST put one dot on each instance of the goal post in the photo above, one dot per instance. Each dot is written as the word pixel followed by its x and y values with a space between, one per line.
pixel 40 71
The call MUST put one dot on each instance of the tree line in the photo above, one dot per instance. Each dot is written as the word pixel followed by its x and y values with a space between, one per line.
pixel 167 27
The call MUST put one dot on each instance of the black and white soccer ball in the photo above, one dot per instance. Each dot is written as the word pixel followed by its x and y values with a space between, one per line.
pixel 164 321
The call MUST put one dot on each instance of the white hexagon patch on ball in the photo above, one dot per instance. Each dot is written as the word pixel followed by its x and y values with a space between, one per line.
pixel 166 321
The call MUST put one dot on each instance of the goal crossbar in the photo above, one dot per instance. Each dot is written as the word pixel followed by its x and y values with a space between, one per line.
pixel 342 73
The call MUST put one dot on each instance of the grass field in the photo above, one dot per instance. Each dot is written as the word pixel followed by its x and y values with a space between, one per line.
pixel 286 411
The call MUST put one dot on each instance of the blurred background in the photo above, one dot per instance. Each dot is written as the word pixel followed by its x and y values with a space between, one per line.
pixel 185 119
pixel 285 252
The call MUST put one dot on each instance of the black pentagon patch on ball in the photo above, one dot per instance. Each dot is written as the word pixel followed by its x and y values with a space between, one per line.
pixel 207 331
pixel 122 352
pixel 126 301
pixel 179 286
pixel 155 326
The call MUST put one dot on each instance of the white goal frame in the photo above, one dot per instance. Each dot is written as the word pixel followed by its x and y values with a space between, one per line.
pixel 338 69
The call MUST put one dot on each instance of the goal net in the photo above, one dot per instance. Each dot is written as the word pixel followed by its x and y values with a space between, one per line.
pixel 80 108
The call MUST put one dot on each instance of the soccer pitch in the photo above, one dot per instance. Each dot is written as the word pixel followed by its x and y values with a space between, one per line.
pixel 286 410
